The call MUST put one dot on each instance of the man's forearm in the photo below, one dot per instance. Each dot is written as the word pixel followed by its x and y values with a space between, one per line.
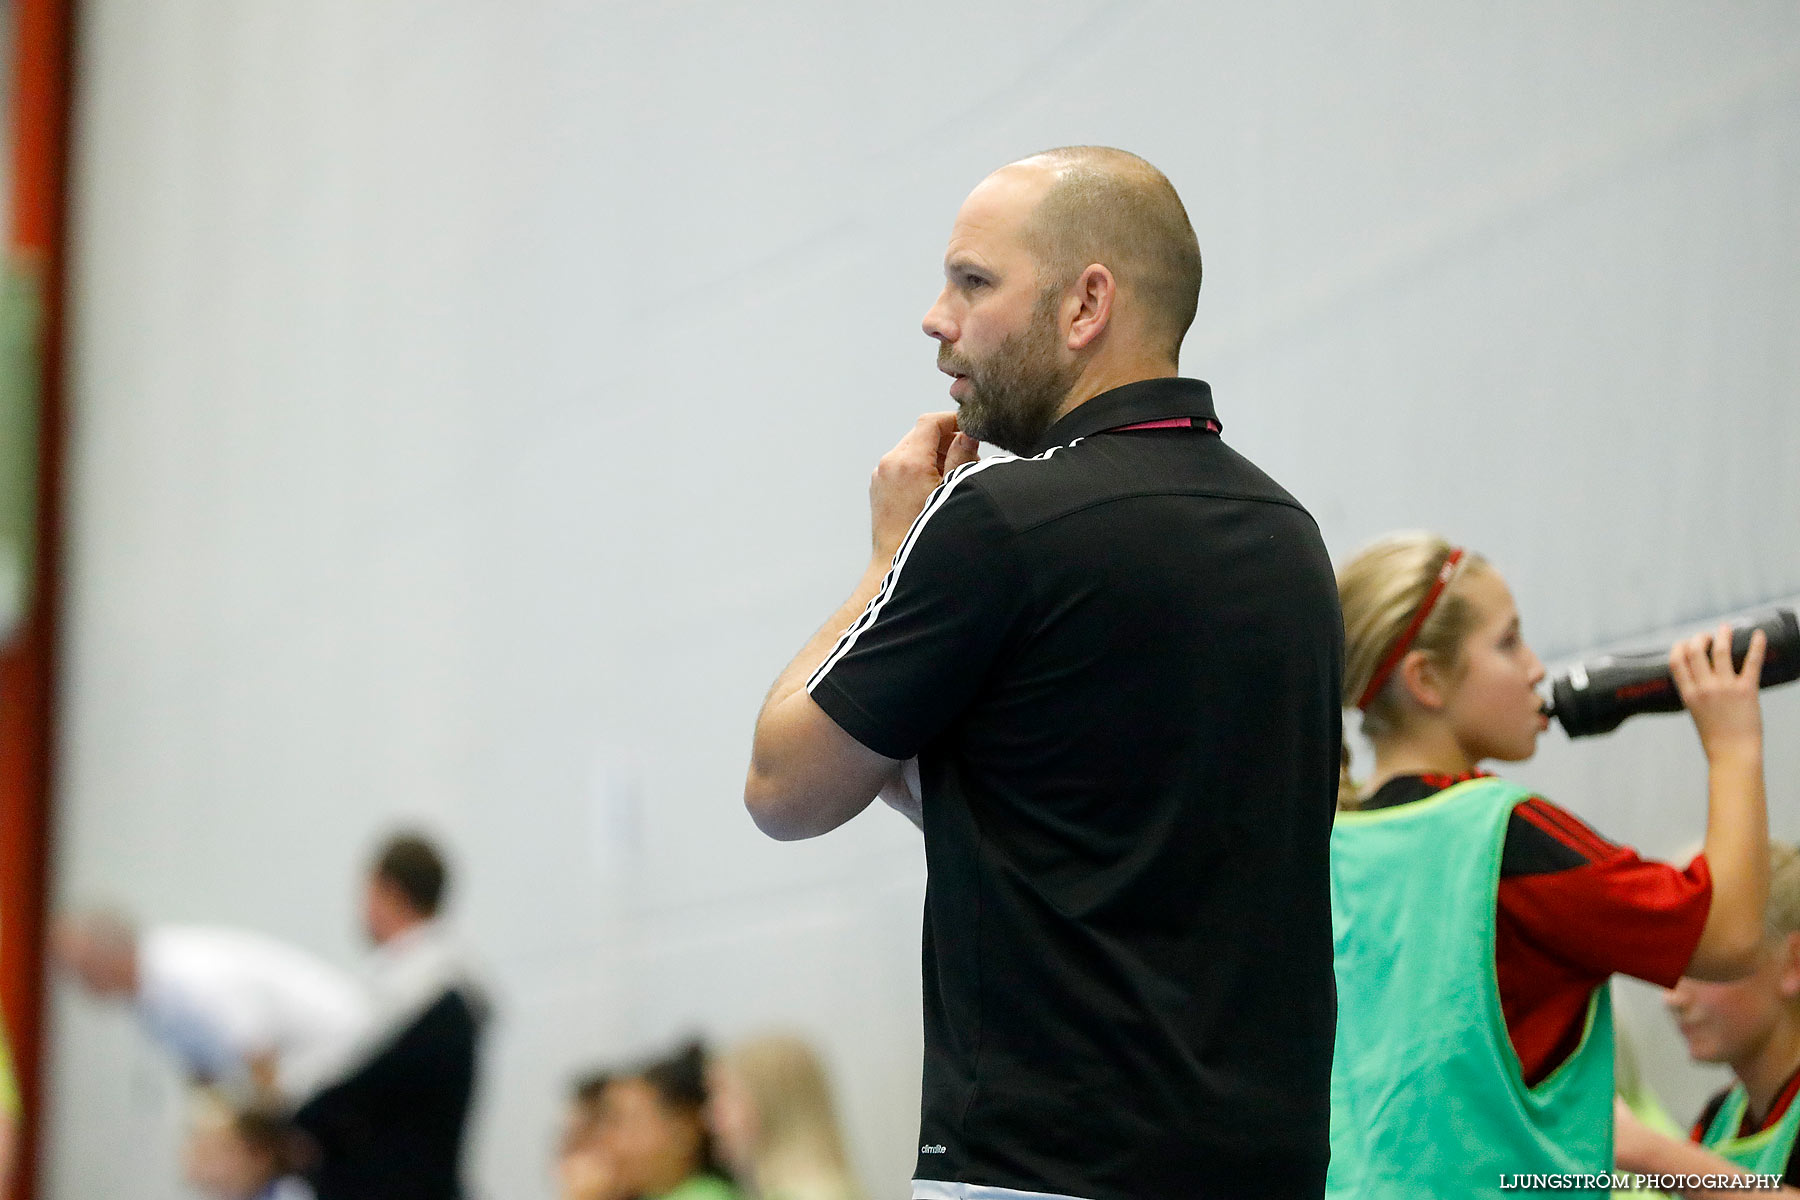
pixel 807 776
pixel 794 678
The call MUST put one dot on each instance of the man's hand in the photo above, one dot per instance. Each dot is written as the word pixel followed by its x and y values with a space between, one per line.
pixel 265 1072
pixel 906 476
pixel 807 776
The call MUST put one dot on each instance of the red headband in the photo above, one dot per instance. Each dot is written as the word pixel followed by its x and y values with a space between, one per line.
pixel 1380 678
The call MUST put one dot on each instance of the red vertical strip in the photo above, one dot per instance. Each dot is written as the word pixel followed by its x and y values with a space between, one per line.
pixel 40 121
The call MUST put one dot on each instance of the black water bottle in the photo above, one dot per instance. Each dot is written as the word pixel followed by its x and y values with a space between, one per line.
pixel 1594 696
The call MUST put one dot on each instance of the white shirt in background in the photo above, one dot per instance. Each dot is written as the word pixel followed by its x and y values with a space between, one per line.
pixel 220 997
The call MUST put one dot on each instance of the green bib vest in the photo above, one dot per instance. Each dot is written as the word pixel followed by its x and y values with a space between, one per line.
pixel 702 1187
pixel 1767 1152
pixel 1427 1097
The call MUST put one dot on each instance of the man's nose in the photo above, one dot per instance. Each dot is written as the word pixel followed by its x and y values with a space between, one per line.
pixel 937 323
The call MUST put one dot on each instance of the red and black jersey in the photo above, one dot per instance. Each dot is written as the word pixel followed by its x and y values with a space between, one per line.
pixel 1751 1126
pixel 1573 910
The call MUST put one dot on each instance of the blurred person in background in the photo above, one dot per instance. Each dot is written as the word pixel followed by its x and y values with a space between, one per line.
pixel 235 1007
pixel 390 1124
pixel 240 1152
pixel 1751 1025
pixel 1477 924
pixel 584 1168
pixel 770 1109
pixel 652 1132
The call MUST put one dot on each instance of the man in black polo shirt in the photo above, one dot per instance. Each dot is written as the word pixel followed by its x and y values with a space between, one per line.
pixel 1114 651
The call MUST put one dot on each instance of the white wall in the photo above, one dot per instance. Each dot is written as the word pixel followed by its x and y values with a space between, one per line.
pixel 473 404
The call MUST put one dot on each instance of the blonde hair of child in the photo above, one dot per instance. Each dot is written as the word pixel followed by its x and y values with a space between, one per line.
pixel 799 1147
pixel 1380 590
pixel 1782 917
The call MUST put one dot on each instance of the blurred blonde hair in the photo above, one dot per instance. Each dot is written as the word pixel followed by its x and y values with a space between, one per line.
pixel 1783 914
pixel 799 1152
pixel 1381 589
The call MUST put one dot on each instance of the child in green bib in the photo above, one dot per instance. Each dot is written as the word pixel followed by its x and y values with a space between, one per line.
pixel 1476 924
pixel 1753 1026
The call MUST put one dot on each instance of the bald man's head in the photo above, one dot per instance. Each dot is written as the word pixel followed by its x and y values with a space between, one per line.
pixel 1067 274
pixel 100 947
pixel 1111 207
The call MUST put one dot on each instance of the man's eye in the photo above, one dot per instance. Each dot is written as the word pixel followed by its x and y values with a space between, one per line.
pixel 974 281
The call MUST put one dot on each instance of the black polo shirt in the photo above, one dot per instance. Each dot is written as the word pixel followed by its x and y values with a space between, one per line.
pixel 1118 663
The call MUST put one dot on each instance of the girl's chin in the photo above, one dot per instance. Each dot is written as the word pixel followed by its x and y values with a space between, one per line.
pixel 1706 1052
pixel 1515 752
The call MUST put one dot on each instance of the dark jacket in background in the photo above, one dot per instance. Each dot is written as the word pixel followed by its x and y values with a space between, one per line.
pixel 393 1128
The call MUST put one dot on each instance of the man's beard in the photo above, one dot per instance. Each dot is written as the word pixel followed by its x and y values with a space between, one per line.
pixel 1013 395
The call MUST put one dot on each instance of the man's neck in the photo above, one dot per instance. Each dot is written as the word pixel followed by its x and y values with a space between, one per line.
pixel 402 933
pixel 1766 1070
pixel 1099 378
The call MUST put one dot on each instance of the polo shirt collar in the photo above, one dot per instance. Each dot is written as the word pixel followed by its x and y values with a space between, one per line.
pixel 1145 400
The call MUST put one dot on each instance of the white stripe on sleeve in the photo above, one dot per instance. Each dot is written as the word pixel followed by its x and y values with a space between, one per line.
pixel 847 641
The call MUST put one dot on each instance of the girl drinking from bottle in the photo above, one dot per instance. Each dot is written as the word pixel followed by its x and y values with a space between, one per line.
pixel 1477 924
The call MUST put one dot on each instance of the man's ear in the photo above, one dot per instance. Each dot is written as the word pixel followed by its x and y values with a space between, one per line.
pixel 1092 295
pixel 1421 680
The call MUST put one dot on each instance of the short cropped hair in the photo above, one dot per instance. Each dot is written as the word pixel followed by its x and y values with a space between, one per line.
pixel 1111 207
pixel 415 868
pixel 587 1090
